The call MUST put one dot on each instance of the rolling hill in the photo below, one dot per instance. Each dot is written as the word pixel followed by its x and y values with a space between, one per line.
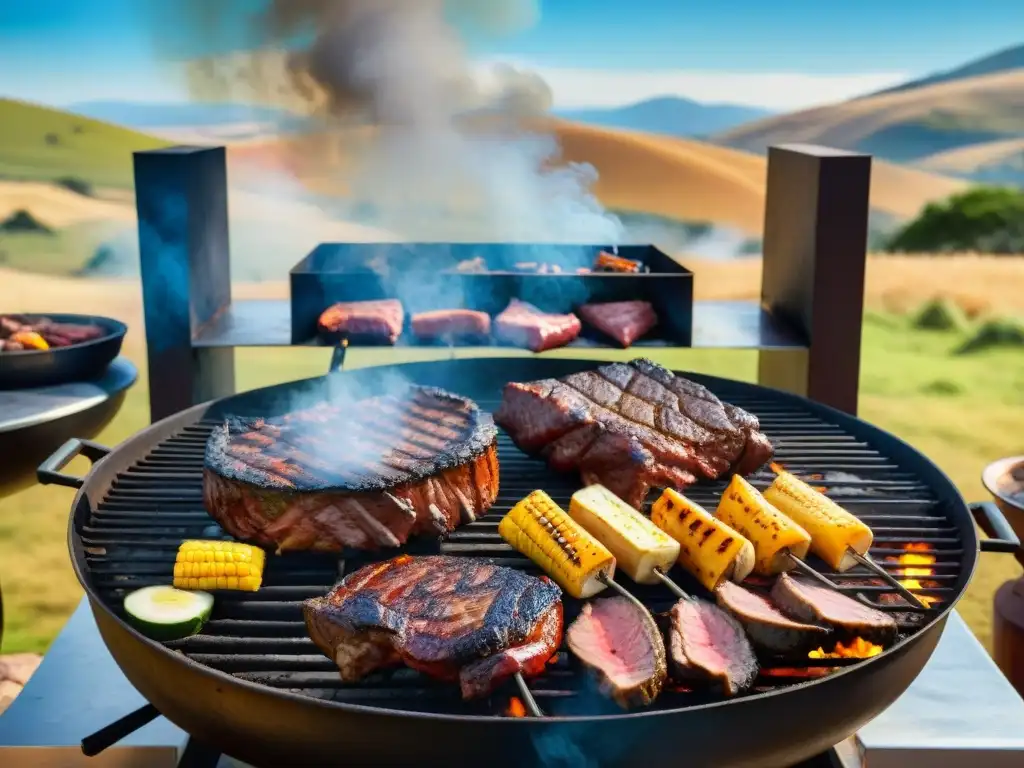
pixel 173 115
pixel 1001 61
pixel 996 162
pixel 42 144
pixel 903 126
pixel 669 115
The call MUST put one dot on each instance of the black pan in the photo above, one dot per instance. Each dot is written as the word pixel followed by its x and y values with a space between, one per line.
pixel 28 369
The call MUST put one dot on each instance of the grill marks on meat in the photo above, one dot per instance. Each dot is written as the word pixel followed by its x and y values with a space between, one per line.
pixel 706 644
pixel 766 626
pixel 453 618
pixel 632 426
pixel 375 321
pixel 622 645
pixel 451 325
pixel 366 475
pixel 809 602
pixel 624 321
pixel 523 325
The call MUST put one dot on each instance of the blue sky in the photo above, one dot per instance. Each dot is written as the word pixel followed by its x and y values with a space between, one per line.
pixel 792 52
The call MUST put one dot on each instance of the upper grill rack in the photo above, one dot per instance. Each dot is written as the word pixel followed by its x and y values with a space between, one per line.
pixel 132 535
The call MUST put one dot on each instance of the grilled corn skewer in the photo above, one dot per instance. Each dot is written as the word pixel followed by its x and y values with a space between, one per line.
pixel 710 549
pixel 775 537
pixel 218 565
pixel 835 533
pixel 638 545
pixel 542 531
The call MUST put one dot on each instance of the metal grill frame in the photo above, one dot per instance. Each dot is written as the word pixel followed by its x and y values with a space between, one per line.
pixel 898 664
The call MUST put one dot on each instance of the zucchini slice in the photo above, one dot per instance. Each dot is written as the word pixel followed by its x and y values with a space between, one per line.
pixel 165 613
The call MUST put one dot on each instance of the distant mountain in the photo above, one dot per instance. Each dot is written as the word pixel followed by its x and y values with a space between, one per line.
pixel 173 115
pixel 668 115
pixel 1009 58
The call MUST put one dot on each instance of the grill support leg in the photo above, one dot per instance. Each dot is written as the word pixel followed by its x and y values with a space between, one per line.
pixel 198 755
pixel 815 255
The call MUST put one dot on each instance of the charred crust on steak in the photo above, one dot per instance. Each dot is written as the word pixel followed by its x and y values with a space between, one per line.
pixel 314 450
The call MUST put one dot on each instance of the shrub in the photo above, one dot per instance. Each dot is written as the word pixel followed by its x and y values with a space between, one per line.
pixel 79 186
pixel 999 332
pixel 23 221
pixel 982 219
pixel 940 315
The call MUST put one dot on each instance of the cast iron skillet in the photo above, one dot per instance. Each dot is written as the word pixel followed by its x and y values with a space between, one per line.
pixel 28 369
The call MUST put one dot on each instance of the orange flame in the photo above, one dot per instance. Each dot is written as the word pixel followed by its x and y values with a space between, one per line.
pixel 858 649
pixel 917 562
pixel 516 708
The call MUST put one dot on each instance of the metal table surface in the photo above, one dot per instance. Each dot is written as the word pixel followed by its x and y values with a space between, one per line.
pixel 960 713
pixel 35 422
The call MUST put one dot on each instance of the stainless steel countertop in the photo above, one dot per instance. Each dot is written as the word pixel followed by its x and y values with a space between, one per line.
pixel 959 713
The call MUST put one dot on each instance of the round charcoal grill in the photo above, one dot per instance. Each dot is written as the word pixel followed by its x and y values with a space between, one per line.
pixel 254 686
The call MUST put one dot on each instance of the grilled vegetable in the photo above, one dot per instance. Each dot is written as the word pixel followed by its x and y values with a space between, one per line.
pixel 710 550
pixel 218 565
pixel 834 531
pixel 542 531
pixel 165 613
pixel 638 545
pixel 29 340
pixel 773 535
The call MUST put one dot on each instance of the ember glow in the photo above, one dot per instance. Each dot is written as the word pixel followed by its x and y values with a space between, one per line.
pixel 516 708
pixel 916 562
pixel 858 649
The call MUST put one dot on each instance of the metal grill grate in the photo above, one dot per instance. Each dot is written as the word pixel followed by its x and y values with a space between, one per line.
pixel 132 535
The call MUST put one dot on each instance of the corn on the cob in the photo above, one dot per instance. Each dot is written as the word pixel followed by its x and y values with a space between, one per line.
pixel 542 531
pixel 638 545
pixel 710 550
pixel 773 535
pixel 218 565
pixel 834 531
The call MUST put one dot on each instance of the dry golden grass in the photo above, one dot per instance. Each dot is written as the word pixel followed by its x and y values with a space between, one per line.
pixel 58 207
pixel 973 157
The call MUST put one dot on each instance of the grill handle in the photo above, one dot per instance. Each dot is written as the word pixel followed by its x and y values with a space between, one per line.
pixel 1001 537
pixel 49 472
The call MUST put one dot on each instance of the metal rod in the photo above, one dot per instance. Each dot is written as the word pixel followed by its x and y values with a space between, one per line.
pixel 338 356
pixel 199 755
pixel 905 593
pixel 800 564
pixel 109 735
pixel 603 578
pixel 528 700
pixel 673 587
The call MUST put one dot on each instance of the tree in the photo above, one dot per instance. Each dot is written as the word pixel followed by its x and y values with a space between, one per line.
pixel 983 219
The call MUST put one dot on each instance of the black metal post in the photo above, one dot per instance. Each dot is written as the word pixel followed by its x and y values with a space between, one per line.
pixel 181 197
pixel 815 255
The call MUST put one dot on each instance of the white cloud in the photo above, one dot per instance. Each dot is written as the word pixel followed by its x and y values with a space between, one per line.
pixel 780 91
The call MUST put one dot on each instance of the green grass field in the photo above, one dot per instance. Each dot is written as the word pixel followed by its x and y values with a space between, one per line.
pixel 61 252
pixel 961 411
pixel 42 144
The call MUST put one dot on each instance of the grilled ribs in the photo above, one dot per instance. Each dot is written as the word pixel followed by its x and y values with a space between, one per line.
pixel 365 475
pixel 453 618
pixel 632 426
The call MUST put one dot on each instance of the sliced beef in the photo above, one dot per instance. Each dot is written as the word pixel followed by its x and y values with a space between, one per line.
pixel 766 626
pixel 453 618
pixel 806 601
pixel 365 321
pixel 706 644
pixel 632 426
pixel 523 325
pixel 451 325
pixel 365 475
pixel 624 321
pixel 622 645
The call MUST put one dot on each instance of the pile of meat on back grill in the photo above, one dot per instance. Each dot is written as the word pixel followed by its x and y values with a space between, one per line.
pixel 20 332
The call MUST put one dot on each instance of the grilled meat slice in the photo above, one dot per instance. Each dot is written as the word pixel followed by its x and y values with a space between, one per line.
pixel 706 644
pixel 850 619
pixel 624 321
pixel 632 426
pixel 453 618
pixel 622 644
pixel 451 325
pixel 609 262
pixel 524 325
pixel 365 475
pixel 767 627
pixel 370 321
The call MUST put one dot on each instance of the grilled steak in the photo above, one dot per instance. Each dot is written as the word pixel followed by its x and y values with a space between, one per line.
pixel 451 618
pixel 372 321
pixel 609 262
pixel 366 474
pixel 766 626
pixel 451 324
pixel 632 426
pixel 524 325
pixel 622 644
pixel 706 644
pixel 624 321
pixel 805 601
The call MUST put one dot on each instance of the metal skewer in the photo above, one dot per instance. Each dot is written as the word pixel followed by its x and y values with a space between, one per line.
pixel 673 587
pixel 891 580
pixel 528 701
pixel 609 582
